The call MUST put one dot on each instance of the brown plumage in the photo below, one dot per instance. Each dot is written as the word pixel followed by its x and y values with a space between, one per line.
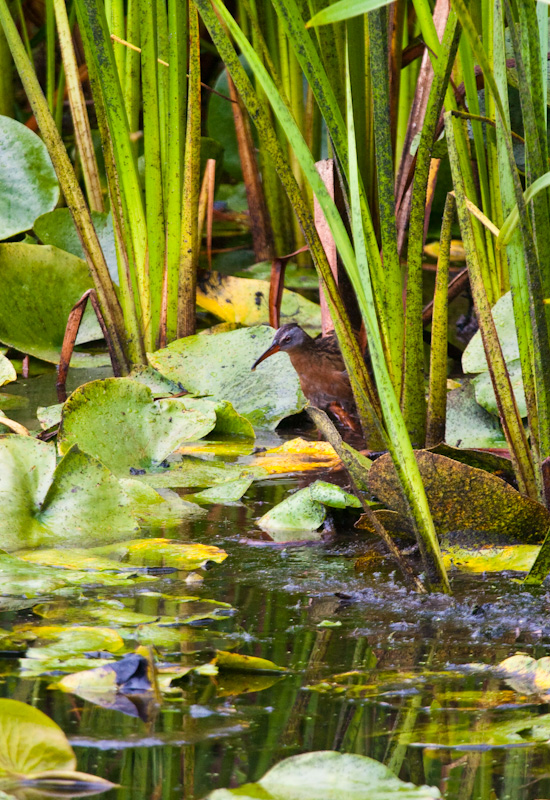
pixel 319 365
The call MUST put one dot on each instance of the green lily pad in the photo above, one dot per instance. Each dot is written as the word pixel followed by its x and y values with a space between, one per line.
pixel 196 473
pixel 468 424
pixel 31 742
pixel 473 358
pixel 117 421
pixel 305 510
pixel 74 558
pixel 41 504
pixel 327 775
pixel 246 301
pixel 18 578
pixel 162 508
pixel 76 640
pixel 241 663
pixel 463 498
pixel 58 229
pixel 228 421
pixel 40 285
pixel 220 365
pixel 49 416
pixel 223 493
pixel 485 394
pixel 7 371
pixel 160 385
pixel 28 183
pixel 162 553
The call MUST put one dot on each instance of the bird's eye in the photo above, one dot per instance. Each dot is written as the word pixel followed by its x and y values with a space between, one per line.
pixel 286 339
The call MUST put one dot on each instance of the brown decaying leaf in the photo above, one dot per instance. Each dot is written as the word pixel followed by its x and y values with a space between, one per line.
pixel 463 498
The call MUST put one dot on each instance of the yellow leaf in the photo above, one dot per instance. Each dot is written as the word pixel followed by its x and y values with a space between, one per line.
pixel 298 455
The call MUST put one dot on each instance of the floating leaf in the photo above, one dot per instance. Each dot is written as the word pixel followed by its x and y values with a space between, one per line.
pixel 473 358
pixel 468 424
pixel 40 285
pixel 57 228
pixel 49 416
pixel 7 371
pixel 163 553
pixel 228 421
pixel 220 365
pixel 485 394
pixel 463 498
pixel 305 510
pixel 472 553
pixel 327 775
pixel 240 663
pixel 196 473
pixel 164 508
pixel 75 640
pixel 41 504
pixel 28 183
pixel 246 301
pixel 223 493
pixel 298 455
pixel 117 421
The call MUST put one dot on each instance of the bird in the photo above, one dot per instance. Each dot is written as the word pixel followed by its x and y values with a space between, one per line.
pixel 320 368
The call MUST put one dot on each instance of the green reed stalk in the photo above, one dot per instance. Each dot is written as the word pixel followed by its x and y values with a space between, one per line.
pixel 6 77
pixel 176 108
pixel 437 389
pixel 82 130
pixel 189 252
pixel 506 402
pixel 132 72
pixel 154 201
pixel 413 397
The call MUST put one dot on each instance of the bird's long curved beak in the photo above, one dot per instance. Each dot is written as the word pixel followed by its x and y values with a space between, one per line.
pixel 269 352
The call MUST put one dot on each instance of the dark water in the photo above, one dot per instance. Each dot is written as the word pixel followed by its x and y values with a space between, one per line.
pixel 410 700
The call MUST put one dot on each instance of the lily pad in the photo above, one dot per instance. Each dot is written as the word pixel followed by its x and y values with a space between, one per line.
pixel 7 371
pixel 41 504
pixel 40 285
pixel 162 508
pixel 463 498
pixel 75 640
pixel 228 421
pixel 224 493
pixel 28 183
pixel 246 301
pixel 49 416
pixel 468 424
pixel 220 366
pixel 305 510
pixel 117 421
pixel 485 394
pixel 475 554
pixel 298 455
pixel 473 358
pixel 240 663
pixel 197 473
pixel 162 552
pixel 58 229
pixel 327 775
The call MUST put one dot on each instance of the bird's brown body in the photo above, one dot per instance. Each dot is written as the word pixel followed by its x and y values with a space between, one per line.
pixel 319 365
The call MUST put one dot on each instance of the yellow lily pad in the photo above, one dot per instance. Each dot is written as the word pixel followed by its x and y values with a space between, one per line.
pixel 298 455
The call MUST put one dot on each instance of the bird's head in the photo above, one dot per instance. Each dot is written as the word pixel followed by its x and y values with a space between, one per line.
pixel 288 337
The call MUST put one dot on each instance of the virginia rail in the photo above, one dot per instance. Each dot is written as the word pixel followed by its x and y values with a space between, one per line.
pixel 320 368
